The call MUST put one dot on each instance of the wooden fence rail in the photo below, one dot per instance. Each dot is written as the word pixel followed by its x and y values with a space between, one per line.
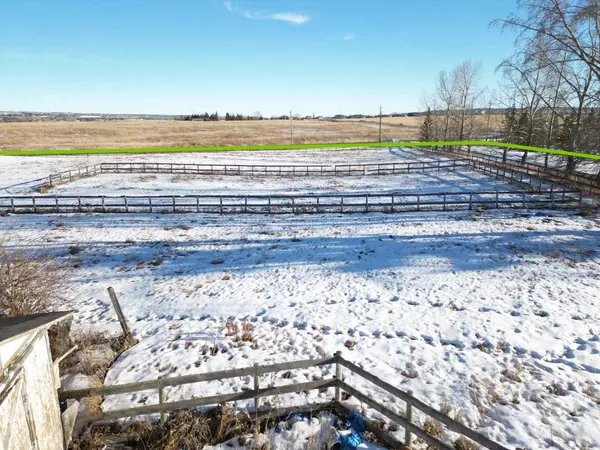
pixel 406 421
pixel 392 202
pixel 587 183
pixel 287 170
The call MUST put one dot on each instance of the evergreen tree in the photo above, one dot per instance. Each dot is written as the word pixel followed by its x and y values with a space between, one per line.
pixel 509 123
pixel 426 133
pixel 521 128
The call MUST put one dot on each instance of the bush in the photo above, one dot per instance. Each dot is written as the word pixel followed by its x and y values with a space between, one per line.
pixel 29 283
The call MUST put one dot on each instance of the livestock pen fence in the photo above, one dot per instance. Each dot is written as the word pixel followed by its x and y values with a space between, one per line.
pixel 391 168
pixel 402 417
pixel 586 182
pixel 292 204
pixel 505 172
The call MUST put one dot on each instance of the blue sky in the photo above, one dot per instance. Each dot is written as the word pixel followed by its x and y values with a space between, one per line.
pixel 273 56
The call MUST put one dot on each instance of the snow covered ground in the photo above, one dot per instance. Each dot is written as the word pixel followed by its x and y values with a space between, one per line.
pixel 491 316
pixel 296 434
pixel 147 184
pixel 495 314
pixel 589 167
pixel 14 169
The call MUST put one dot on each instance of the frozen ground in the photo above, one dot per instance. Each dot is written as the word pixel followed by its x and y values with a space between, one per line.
pixel 316 432
pixel 495 314
pixel 19 169
pixel 147 184
pixel 589 167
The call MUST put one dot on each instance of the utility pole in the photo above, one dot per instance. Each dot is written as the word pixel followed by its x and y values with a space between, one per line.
pixel 291 129
pixel 488 131
pixel 380 123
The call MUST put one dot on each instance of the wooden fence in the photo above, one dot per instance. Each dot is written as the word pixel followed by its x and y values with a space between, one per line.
pixel 256 169
pixel 392 202
pixel 404 419
pixel 286 170
pixel 587 183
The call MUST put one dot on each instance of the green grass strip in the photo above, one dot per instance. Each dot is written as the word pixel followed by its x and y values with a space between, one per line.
pixel 97 151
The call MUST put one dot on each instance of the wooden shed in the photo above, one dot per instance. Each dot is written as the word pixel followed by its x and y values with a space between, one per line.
pixel 30 416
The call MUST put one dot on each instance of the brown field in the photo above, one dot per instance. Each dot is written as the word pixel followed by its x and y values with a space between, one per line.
pixel 157 133
pixel 400 121
pixel 481 121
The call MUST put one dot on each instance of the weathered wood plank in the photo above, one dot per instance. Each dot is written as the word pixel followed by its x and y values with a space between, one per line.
pixel 433 442
pixel 384 437
pixel 449 422
pixel 195 378
pixel 204 401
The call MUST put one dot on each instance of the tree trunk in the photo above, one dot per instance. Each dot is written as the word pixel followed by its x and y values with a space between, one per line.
pixel 570 164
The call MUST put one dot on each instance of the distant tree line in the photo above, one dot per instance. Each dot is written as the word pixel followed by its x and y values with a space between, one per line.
pixel 214 117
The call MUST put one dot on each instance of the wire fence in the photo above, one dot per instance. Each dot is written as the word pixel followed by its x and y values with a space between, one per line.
pixel 291 204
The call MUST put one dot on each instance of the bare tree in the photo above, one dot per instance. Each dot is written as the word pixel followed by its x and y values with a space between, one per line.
pixel 446 95
pixel 569 27
pixel 465 78
pixel 527 78
pixel 29 283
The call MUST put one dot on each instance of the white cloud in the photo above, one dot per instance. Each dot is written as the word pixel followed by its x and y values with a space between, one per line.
pixel 290 17
pixel 294 18
pixel 349 37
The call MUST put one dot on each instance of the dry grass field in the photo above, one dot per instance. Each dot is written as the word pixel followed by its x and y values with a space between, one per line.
pixel 481 121
pixel 157 133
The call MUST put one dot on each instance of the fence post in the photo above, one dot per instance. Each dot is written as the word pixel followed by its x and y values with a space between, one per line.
pixel 338 376
pixel 103 205
pixel 124 199
pixel 392 202
pixel 418 202
pixel 342 205
pixel 162 399
pixel 197 204
pixel 407 433
pixel 150 203
pixel 221 204
pixel 470 201
pixel 367 202
pixel 173 197
pixel 119 311
pixel 523 199
pixel 552 195
pixel 34 205
pixel 444 206
pixel 256 388
pixel 497 204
